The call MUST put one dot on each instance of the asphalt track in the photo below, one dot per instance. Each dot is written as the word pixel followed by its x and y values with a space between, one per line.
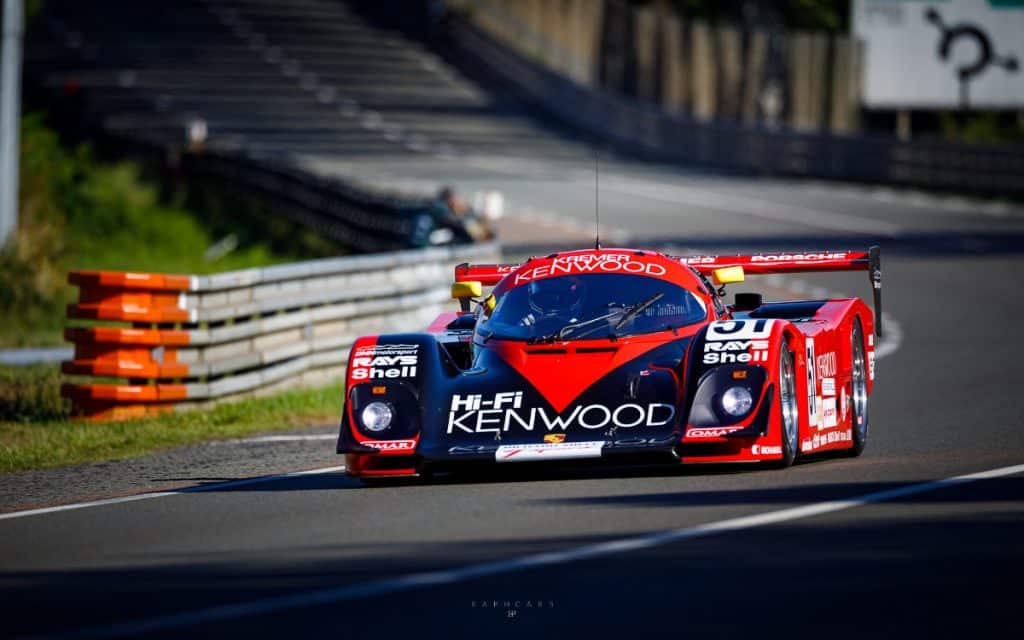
pixel 306 554
pixel 697 552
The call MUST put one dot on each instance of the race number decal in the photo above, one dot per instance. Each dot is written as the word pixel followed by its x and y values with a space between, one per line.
pixel 740 330
pixel 812 386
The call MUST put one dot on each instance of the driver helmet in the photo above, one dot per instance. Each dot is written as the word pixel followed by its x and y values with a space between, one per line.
pixel 561 296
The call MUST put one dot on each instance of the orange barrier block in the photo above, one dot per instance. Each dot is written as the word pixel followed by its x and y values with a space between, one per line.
pixel 130 280
pixel 131 297
pixel 108 412
pixel 125 393
pixel 126 353
pixel 131 306
pixel 121 401
pixel 125 336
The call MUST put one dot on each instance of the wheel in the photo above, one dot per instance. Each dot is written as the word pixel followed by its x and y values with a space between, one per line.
pixel 788 408
pixel 859 397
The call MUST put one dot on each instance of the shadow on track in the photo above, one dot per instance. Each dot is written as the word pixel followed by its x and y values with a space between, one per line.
pixel 913 574
pixel 493 474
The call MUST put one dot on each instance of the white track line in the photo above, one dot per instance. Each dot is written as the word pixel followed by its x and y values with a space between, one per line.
pixel 291 438
pixel 461 574
pixel 165 494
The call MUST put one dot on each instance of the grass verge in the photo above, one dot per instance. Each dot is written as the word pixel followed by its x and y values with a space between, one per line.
pixel 40 444
pixel 78 212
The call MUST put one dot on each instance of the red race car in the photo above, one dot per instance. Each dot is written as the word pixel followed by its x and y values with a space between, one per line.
pixel 617 354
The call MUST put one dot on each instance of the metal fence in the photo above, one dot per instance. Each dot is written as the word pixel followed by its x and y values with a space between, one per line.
pixel 184 341
pixel 357 216
pixel 644 129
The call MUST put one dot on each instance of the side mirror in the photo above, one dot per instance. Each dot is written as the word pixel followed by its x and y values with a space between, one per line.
pixel 747 301
pixel 727 275
pixel 465 291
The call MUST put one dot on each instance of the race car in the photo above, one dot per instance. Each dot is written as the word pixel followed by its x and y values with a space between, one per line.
pixel 618 355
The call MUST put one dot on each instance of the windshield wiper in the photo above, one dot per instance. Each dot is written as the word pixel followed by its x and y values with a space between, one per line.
pixel 630 312
pixel 637 309
pixel 573 326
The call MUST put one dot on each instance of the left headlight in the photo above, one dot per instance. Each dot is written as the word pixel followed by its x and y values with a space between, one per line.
pixel 377 416
pixel 737 401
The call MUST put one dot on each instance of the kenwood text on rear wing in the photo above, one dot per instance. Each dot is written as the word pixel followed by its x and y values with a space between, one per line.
pixel 803 262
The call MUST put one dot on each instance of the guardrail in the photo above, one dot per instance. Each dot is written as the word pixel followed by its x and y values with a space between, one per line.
pixel 361 217
pixel 185 341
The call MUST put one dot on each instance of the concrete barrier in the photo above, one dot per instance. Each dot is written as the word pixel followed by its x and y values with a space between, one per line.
pixel 184 341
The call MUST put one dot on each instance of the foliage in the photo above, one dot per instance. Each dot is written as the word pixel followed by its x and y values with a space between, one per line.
pixel 79 213
pixel 31 394
pixel 52 443
pixel 982 127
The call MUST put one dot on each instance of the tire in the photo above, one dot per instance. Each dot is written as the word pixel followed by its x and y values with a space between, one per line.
pixel 789 417
pixel 859 395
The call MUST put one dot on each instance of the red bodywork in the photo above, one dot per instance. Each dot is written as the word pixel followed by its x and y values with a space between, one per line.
pixel 821 345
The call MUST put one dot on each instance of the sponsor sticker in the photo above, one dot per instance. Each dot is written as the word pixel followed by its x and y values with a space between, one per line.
pixel 710 432
pixel 828 386
pixel 826 365
pixel 823 439
pixel 797 257
pixel 555 438
pixel 590 263
pixel 766 450
pixel 829 416
pixel 812 387
pixel 871 365
pixel 391 445
pixel 385 361
pixel 504 411
pixel 548 451
pixel 719 351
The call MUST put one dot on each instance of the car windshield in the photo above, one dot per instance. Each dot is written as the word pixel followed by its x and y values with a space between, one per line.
pixel 592 306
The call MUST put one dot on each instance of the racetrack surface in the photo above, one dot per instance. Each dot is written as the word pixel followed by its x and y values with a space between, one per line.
pixel 941 563
pixel 319 554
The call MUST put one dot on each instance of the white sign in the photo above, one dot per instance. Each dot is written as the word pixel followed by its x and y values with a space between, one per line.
pixel 941 54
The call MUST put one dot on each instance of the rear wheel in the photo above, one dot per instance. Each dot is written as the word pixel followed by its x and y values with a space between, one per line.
pixel 789 418
pixel 859 397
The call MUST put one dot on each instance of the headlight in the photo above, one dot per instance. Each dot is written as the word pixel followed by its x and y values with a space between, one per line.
pixel 377 416
pixel 737 401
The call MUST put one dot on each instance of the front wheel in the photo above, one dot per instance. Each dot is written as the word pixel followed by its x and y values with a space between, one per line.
pixel 788 412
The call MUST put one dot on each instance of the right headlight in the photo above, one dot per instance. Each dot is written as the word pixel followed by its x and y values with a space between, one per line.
pixel 737 401
pixel 377 416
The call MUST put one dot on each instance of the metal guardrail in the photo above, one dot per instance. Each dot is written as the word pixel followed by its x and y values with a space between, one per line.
pixel 355 215
pixel 643 129
pixel 358 216
pixel 185 341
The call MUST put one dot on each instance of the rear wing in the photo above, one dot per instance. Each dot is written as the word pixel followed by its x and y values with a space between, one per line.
pixel 760 264
pixel 766 263
pixel 486 274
